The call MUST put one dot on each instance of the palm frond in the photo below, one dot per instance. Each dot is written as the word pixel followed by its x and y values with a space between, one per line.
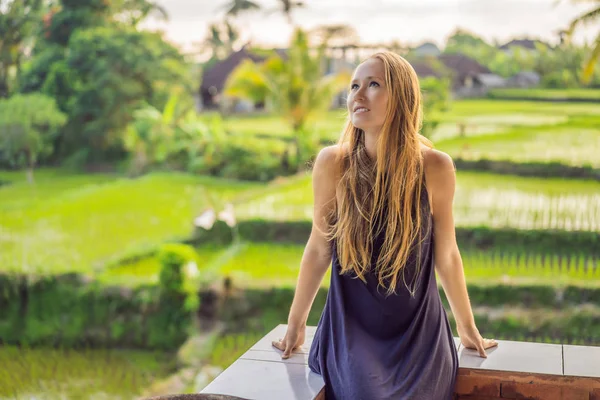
pixel 583 19
pixel 238 6
pixel 590 64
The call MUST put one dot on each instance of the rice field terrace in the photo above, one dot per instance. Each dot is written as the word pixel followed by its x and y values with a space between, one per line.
pixel 253 264
pixel 519 131
pixel 79 374
pixel 75 222
pixel 481 199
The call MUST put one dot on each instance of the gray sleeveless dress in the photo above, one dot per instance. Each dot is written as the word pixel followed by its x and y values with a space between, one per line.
pixel 370 347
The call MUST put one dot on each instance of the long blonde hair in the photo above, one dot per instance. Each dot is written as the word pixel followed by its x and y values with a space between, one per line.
pixel 398 174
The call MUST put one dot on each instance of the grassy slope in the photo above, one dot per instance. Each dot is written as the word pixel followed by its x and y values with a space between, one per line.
pixel 74 222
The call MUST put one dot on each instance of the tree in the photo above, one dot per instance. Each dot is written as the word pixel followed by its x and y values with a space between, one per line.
pixel 288 6
pixel 101 78
pixel 18 21
pixel 221 39
pixel 335 34
pixel 27 124
pixel 235 7
pixel 294 88
pixel 154 136
pixel 436 99
pixel 461 39
pixel 589 16
pixel 132 12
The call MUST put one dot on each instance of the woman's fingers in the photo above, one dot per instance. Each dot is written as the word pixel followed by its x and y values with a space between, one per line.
pixel 485 344
pixel 481 349
pixel 287 352
pixel 280 344
pixel 285 346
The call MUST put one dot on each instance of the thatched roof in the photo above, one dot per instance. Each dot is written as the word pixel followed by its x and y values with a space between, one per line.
pixel 217 74
pixel 524 43
pixel 462 67
pixel 423 70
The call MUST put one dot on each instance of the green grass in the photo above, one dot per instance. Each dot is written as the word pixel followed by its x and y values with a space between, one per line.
pixel 78 374
pixel 481 199
pixel 327 125
pixel 70 223
pixel 146 270
pixel 571 145
pixel 593 94
pixel 519 131
pixel 266 265
pixel 474 107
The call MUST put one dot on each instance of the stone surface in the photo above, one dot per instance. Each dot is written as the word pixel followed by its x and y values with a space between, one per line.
pixel 278 333
pixel 512 356
pixel 581 361
pixel 267 380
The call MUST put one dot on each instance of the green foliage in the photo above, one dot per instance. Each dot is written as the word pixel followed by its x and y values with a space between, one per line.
pixel 27 126
pixel 100 79
pixel 177 137
pixel 573 95
pixel 463 42
pixel 132 12
pixel 560 79
pixel 436 100
pixel 115 70
pixel 70 310
pixel 294 88
pixel 559 67
pixel 81 374
pixel 18 23
pixel 173 258
pixel 62 22
pixel 593 53
pixel 53 226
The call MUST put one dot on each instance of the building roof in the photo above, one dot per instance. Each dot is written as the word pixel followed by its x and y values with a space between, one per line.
pixel 423 70
pixel 527 74
pixel 427 45
pixel 524 43
pixel 491 80
pixel 462 65
pixel 217 74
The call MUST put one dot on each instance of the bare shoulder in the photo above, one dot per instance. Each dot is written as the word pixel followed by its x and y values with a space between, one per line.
pixel 437 163
pixel 440 176
pixel 327 161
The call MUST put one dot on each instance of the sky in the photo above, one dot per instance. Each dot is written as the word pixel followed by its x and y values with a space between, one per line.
pixel 408 21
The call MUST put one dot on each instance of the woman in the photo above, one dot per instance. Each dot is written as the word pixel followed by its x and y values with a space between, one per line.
pixel 383 218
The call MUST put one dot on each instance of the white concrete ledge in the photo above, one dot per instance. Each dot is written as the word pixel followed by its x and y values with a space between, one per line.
pixel 260 373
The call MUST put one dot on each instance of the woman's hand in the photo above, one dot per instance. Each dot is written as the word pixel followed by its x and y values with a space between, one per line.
pixel 471 339
pixel 293 339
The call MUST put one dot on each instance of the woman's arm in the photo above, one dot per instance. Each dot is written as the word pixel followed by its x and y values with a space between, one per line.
pixel 317 253
pixel 441 182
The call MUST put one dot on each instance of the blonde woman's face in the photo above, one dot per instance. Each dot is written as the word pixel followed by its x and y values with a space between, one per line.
pixel 368 97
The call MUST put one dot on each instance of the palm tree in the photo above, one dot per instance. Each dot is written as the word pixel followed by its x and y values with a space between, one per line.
pixel 235 7
pixel 336 34
pixel 135 11
pixel 295 88
pixel 589 16
pixel 231 34
pixel 214 42
pixel 287 6
pixel 221 39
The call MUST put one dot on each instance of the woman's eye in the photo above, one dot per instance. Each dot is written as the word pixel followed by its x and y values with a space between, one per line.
pixel 355 85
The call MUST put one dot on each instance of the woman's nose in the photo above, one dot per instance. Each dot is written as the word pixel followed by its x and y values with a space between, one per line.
pixel 360 95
